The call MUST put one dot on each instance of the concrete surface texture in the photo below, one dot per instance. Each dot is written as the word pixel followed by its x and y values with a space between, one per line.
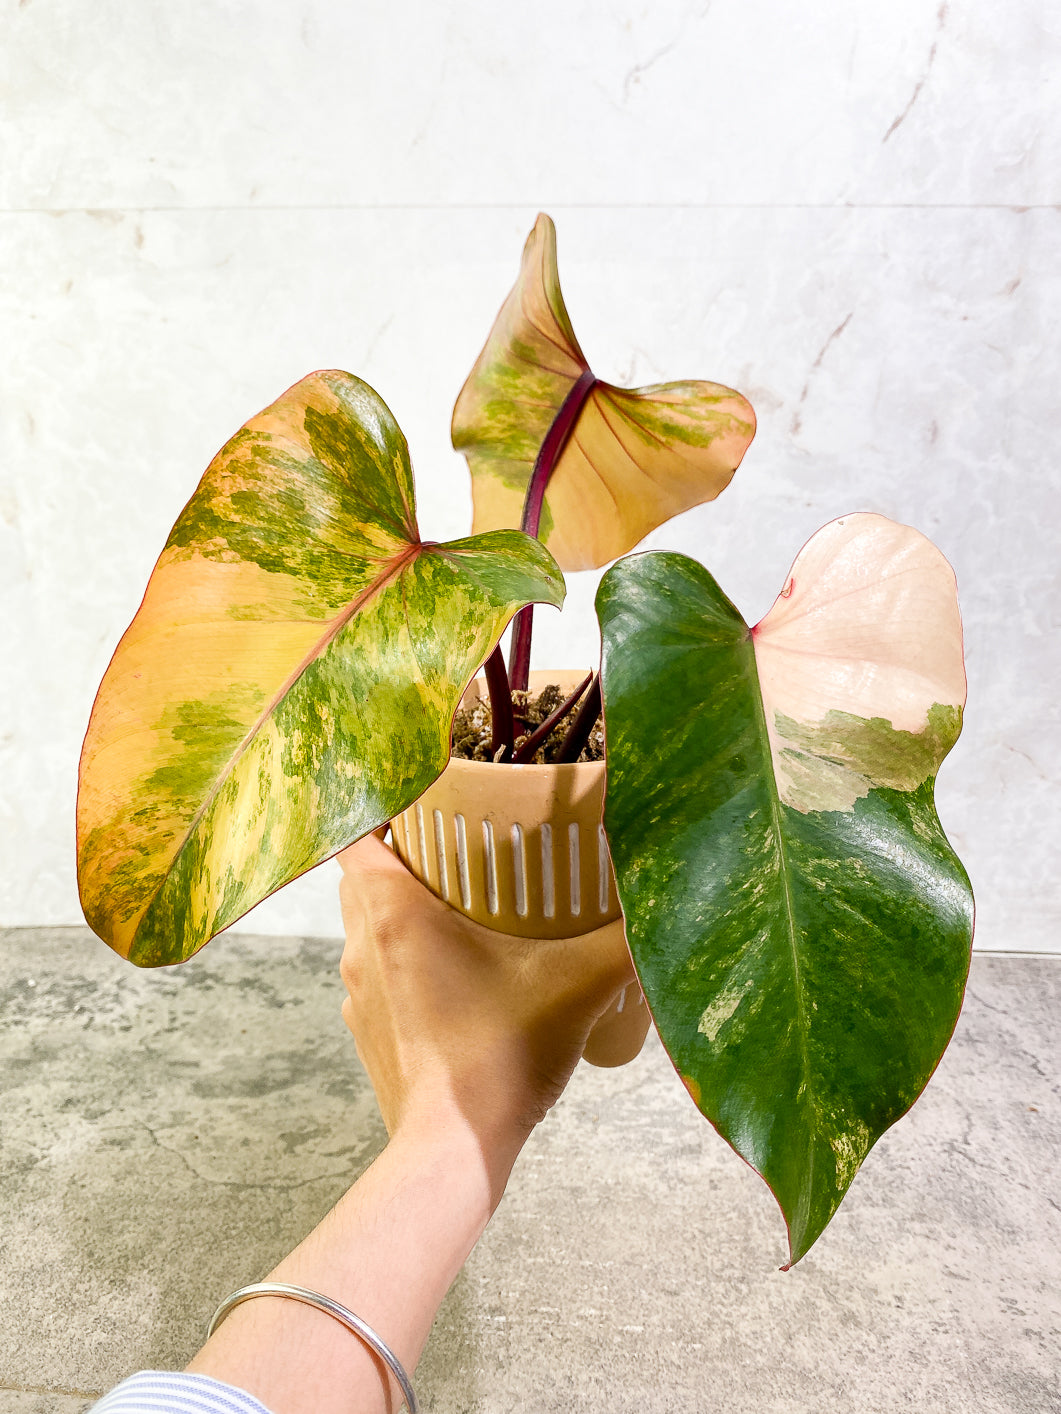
pixel 166 1136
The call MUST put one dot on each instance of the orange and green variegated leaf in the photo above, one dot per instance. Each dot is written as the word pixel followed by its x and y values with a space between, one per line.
pixel 290 678
pixel 799 921
pixel 634 458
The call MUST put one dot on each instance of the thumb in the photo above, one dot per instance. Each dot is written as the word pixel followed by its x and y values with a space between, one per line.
pixel 369 855
pixel 370 869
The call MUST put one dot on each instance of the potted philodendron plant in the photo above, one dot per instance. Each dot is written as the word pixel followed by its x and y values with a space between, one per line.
pixel 800 925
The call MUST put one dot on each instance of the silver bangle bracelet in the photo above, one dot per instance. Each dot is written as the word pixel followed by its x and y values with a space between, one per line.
pixel 329 1307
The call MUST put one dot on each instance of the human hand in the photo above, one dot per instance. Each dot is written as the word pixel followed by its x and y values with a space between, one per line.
pixel 453 1020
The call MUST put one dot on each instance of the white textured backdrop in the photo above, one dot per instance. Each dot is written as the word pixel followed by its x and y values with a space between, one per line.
pixel 851 212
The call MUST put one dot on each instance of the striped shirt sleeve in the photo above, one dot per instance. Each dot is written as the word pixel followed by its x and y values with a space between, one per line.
pixel 167 1392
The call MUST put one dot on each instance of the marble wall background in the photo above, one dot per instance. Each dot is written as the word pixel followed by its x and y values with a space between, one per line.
pixel 849 211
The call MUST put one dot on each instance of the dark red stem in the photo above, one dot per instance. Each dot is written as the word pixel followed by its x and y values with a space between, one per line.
pixel 520 650
pixel 544 465
pixel 549 452
pixel 578 733
pixel 528 748
pixel 504 730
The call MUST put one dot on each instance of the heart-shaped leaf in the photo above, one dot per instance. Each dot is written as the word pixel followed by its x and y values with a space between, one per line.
pixel 289 680
pixel 799 921
pixel 634 457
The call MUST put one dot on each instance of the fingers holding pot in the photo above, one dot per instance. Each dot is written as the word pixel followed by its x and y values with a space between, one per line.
pixel 619 1034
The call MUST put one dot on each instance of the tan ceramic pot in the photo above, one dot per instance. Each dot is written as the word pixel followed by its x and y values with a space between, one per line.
pixel 521 849
pixel 518 848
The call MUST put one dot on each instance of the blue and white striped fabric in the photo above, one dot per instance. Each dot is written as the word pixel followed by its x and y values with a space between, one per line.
pixel 166 1392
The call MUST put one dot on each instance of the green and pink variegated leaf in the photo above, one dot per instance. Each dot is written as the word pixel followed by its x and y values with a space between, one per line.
pixel 289 680
pixel 799 921
pixel 634 457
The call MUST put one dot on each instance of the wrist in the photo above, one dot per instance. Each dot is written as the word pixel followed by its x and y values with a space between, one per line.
pixel 437 1135
pixel 388 1251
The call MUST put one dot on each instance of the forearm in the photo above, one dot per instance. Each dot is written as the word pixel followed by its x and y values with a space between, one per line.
pixel 389 1251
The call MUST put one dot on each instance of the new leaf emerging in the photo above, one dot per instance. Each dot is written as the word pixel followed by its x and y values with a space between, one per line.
pixel 634 458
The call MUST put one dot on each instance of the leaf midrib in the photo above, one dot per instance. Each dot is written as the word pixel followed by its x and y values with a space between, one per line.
pixel 786 871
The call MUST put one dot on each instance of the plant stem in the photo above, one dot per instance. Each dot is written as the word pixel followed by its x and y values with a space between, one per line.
pixel 549 452
pixel 519 652
pixel 528 749
pixel 574 742
pixel 563 425
pixel 504 731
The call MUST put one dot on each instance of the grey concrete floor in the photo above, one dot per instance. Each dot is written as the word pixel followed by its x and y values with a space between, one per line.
pixel 166 1136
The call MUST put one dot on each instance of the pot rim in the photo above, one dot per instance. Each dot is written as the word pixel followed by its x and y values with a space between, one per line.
pixel 461 762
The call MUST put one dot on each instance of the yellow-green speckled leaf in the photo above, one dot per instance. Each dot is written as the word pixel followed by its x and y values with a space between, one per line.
pixel 635 457
pixel 799 921
pixel 289 680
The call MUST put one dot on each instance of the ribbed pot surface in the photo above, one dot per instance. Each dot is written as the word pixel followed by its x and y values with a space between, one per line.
pixel 517 848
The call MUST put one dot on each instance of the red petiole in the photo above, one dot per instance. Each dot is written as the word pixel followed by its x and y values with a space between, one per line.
pixel 501 684
pixel 544 466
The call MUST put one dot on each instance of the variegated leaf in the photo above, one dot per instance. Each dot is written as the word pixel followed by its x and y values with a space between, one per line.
pixel 800 923
pixel 289 680
pixel 634 458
